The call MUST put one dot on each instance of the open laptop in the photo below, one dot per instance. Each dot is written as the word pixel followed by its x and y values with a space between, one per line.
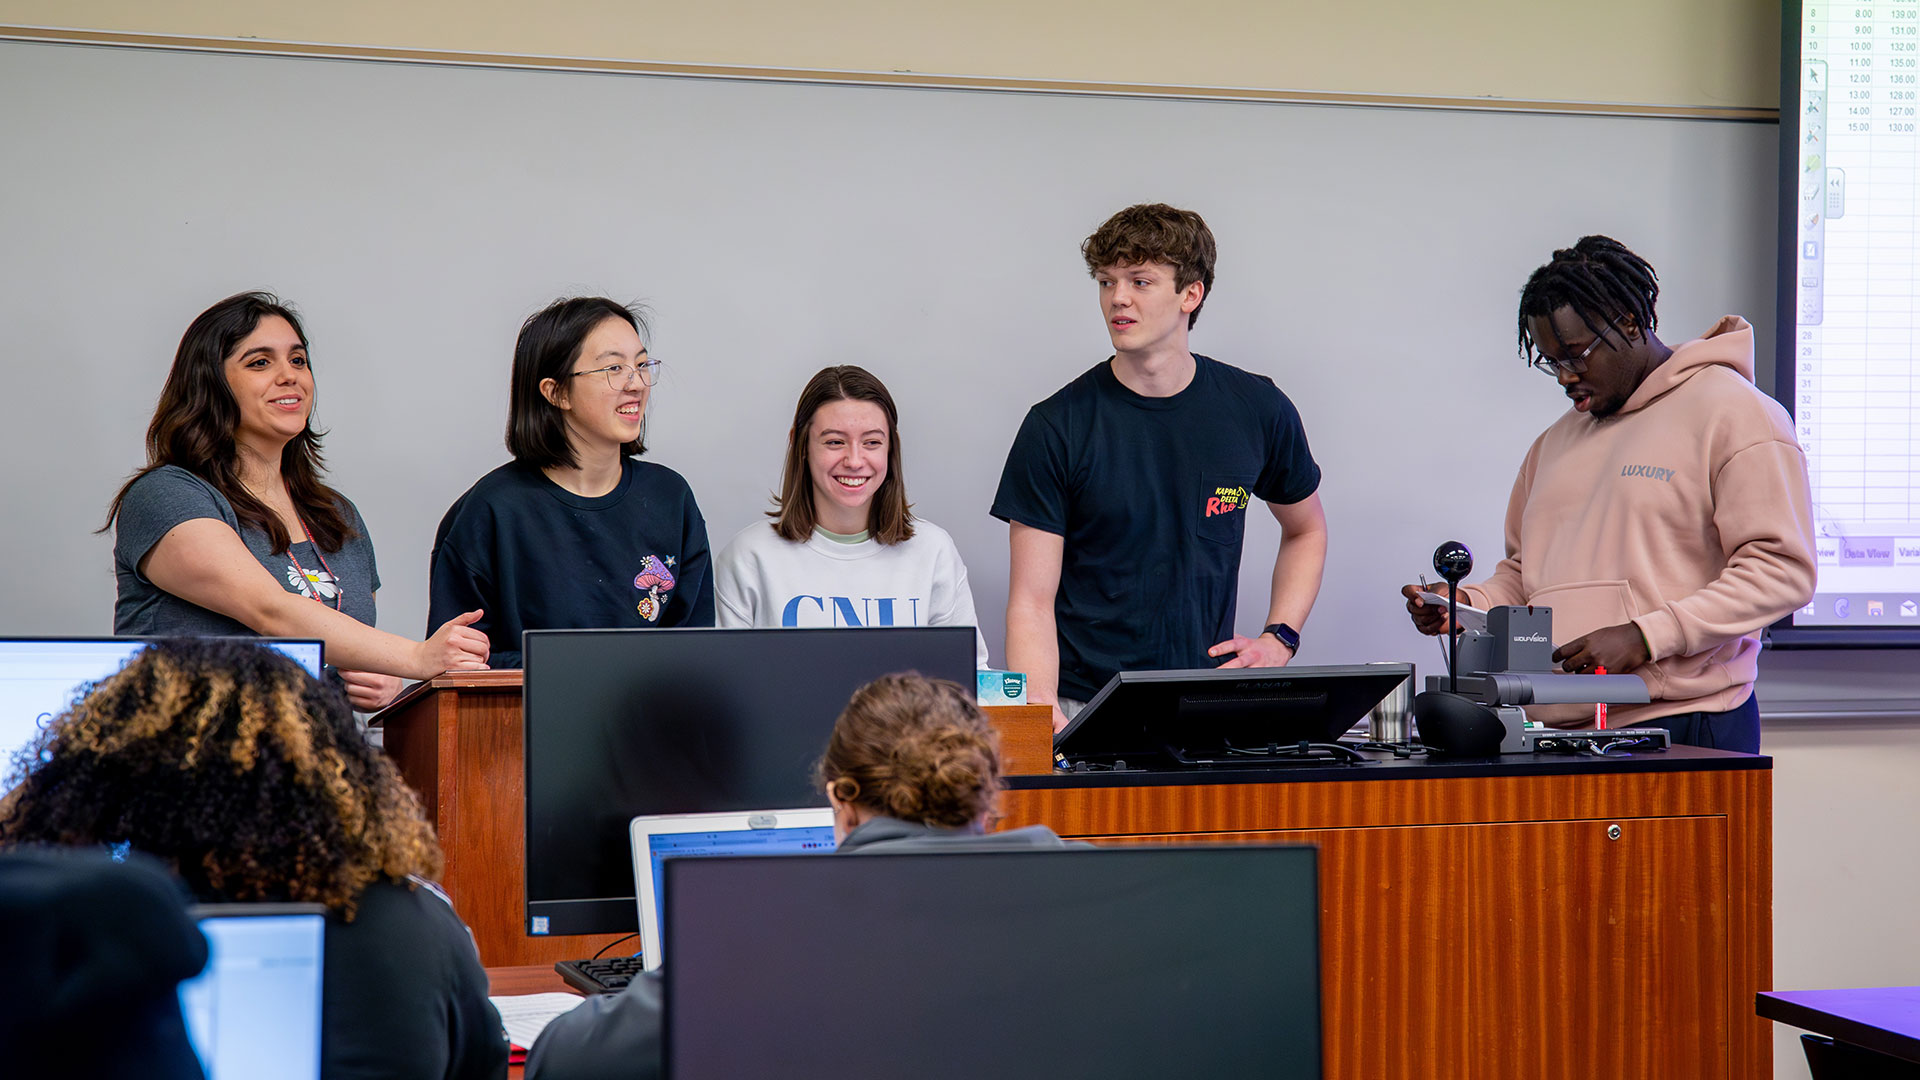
pixel 659 837
pixel 255 1010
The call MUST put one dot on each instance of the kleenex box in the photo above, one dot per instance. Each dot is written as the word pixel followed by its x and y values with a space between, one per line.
pixel 1002 687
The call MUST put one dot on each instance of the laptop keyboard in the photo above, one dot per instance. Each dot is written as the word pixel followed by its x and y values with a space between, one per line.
pixel 608 975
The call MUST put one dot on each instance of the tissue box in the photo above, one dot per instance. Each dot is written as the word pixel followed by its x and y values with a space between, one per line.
pixel 1002 687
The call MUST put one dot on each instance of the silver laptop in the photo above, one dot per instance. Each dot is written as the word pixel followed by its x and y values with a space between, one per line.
pixel 255 1010
pixel 659 837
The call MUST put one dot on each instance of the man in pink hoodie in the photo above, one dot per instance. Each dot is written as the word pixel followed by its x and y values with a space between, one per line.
pixel 1665 518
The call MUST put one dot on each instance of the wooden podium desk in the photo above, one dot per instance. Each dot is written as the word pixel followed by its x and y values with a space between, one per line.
pixel 1525 917
pixel 1530 916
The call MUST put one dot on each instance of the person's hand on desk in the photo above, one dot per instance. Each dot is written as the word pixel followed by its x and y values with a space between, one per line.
pixel 1619 649
pixel 369 691
pixel 1059 719
pixel 1428 618
pixel 1263 651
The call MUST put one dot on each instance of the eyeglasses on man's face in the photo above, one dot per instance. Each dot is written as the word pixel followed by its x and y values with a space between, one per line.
pixel 620 376
pixel 1572 365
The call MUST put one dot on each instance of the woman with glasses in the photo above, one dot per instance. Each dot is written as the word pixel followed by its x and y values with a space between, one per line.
pixel 842 548
pixel 230 529
pixel 575 532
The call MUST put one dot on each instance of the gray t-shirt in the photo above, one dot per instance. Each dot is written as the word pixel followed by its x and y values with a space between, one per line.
pixel 170 495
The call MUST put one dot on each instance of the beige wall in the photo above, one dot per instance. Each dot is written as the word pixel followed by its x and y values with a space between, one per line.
pixel 1695 54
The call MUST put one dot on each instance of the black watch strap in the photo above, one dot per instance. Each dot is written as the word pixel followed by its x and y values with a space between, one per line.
pixel 1287 636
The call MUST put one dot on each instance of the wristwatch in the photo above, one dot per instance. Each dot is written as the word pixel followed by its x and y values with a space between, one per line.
pixel 1287 636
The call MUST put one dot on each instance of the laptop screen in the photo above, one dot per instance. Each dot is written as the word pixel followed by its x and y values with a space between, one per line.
pixel 660 838
pixel 39 678
pixel 255 1010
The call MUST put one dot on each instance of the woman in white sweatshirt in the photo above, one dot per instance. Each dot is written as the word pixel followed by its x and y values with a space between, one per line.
pixel 843 548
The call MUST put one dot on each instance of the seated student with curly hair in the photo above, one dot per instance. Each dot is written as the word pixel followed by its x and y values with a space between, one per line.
pixel 912 765
pixel 247 776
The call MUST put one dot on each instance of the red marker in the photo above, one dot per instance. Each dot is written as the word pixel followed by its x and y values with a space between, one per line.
pixel 1600 708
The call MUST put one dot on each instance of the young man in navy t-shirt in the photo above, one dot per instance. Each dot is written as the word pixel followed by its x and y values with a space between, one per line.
pixel 1127 492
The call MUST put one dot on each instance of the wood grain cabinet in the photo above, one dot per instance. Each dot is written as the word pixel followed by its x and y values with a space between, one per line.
pixel 1575 924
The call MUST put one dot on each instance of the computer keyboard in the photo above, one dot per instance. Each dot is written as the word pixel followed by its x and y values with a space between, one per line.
pixel 607 975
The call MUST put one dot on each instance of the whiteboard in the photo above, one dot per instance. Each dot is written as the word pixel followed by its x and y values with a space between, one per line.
pixel 1369 259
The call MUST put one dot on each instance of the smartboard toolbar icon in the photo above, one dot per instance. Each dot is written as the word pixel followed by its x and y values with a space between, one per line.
pixel 1876 608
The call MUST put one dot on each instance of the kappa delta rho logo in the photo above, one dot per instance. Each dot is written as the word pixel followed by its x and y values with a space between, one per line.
pixel 1226 500
pixel 656 580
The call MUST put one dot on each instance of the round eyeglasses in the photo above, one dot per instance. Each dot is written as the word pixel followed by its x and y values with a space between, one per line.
pixel 620 375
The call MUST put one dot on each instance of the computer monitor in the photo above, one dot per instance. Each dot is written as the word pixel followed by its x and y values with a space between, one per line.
pixel 1176 719
pixel 1175 961
pixel 620 723
pixel 255 1011
pixel 660 837
pixel 40 677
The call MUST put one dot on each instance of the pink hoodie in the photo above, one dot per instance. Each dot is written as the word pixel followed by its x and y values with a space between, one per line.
pixel 1687 512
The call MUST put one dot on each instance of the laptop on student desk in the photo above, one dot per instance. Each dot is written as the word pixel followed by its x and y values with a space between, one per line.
pixel 255 1010
pixel 659 837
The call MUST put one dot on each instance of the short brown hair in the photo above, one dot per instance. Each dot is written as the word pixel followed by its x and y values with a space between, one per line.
pixel 1156 232
pixel 230 762
pixel 915 749
pixel 889 519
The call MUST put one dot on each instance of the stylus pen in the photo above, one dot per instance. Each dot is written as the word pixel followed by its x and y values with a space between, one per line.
pixel 1442 639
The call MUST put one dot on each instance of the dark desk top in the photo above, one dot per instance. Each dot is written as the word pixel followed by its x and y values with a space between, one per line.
pixel 1885 1018
pixel 1381 765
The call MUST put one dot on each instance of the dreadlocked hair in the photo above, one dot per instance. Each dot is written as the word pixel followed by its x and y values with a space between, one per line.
pixel 1599 279
pixel 229 761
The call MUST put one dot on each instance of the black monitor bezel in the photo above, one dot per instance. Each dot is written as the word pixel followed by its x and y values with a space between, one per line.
pixel 1167 965
pixel 1072 741
pixel 620 914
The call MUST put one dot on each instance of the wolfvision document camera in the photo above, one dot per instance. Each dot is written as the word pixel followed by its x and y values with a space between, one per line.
pixel 1509 664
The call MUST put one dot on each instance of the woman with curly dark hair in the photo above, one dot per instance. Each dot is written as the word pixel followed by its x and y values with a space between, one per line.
pixel 231 529
pixel 229 762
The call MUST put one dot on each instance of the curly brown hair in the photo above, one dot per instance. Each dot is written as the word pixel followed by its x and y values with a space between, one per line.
pixel 229 761
pixel 1156 233
pixel 916 749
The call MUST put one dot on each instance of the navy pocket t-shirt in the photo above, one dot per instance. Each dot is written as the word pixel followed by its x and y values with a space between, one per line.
pixel 1151 496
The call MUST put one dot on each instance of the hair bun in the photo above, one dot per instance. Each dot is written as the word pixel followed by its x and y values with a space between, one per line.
pixel 916 749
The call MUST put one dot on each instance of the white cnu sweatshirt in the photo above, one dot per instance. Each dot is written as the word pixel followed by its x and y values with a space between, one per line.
pixel 762 580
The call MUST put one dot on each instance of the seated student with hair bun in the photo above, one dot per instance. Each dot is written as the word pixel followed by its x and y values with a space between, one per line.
pixel 911 765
